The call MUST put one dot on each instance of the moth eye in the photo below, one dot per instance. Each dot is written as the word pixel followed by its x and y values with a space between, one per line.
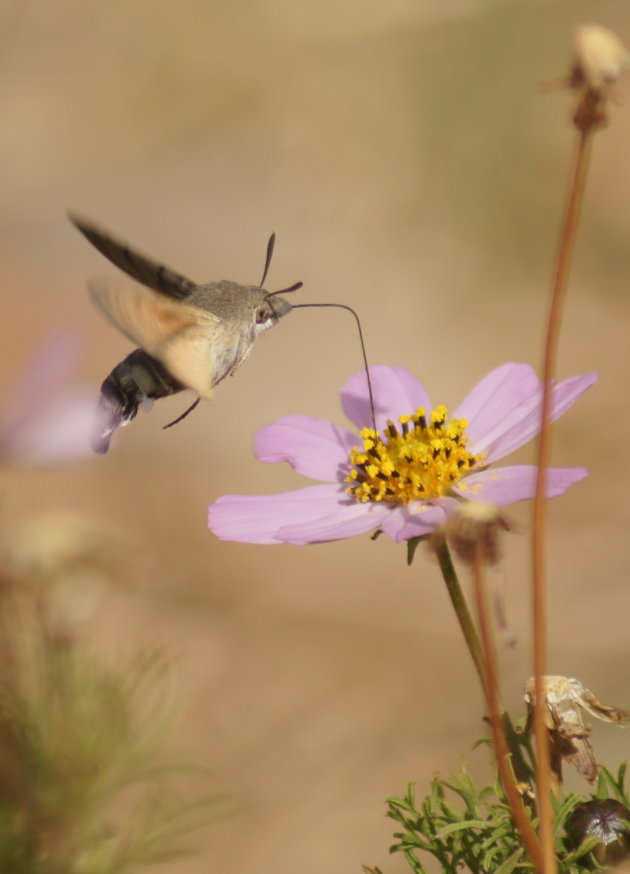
pixel 262 315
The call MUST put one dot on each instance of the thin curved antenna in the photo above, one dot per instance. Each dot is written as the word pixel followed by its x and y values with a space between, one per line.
pixel 342 306
pixel 270 245
pixel 183 415
pixel 288 290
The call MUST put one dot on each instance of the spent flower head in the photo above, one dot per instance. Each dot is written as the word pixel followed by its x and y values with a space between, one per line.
pixel 607 821
pixel 565 698
pixel 475 532
pixel 411 474
pixel 599 58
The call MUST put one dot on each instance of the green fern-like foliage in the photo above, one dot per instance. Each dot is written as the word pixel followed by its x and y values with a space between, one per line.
pixel 466 828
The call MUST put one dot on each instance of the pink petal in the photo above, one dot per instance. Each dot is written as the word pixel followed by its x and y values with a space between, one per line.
pixel 347 520
pixel 55 432
pixel 313 447
pixel 293 517
pixel 48 367
pixel 397 392
pixel 417 519
pixel 488 403
pixel 505 485
pixel 503 410
pixel 46 421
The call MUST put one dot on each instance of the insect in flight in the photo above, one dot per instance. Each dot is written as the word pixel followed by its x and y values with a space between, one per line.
pixel 190 336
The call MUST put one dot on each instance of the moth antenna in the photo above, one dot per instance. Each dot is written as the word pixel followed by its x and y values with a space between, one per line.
pixel 270 246
pixel 183 415
pixel 288 290
pixel 342 306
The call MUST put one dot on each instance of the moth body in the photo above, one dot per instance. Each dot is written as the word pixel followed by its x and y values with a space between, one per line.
pixel 133 383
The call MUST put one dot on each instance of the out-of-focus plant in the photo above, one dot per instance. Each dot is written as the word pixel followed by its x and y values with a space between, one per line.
pixel 85 787
pixel 46 419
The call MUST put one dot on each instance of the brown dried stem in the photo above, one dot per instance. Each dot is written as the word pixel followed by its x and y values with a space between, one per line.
pixel 560 280
pixel 491 691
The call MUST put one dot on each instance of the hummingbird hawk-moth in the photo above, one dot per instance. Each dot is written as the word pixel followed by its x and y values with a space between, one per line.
pixel 190 336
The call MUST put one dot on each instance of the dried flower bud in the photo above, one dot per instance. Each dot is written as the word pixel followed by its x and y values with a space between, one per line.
pixel 606 820
pixel 568 733
pixel 474 532
pixel 599 58
pixel 526 792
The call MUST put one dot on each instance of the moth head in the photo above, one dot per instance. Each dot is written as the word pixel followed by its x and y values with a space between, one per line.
pixel 269 311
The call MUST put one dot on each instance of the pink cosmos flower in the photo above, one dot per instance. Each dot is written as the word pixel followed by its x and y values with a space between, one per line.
pixel 46 421
pixel 412 477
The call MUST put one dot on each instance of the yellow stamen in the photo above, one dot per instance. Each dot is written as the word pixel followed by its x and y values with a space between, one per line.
pixel 424 461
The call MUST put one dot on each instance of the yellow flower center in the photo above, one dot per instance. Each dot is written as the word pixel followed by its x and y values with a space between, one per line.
pixel 419 462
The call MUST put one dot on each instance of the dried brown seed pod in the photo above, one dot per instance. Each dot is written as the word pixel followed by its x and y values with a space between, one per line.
pixel 565 698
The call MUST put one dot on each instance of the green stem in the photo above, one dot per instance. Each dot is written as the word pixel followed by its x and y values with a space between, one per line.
pixel 461 607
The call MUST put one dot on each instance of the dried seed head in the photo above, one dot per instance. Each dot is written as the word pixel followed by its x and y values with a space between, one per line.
pixel 607 821
pixel 474 532
pixel 565 698
pixel 599 58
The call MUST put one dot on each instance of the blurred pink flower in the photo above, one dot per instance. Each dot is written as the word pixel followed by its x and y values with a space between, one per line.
pixel 45 420
pixel 408 482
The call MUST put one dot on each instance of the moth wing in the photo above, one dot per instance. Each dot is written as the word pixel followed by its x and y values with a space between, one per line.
pixel 179 335
pixel 601 711
pixel 189 356
pixel 140 267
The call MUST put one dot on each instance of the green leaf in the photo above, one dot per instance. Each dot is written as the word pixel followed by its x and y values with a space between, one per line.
pixel 466 825
pixel 510 863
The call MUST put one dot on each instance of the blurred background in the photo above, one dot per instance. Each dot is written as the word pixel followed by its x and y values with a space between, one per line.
pixel 413 168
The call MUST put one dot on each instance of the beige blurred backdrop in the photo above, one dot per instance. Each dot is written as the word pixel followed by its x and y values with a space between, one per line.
pixel 413 168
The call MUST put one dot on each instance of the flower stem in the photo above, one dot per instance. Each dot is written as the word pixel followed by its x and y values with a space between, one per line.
pixel 460 606
pixel 497 721
pixel 560 280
